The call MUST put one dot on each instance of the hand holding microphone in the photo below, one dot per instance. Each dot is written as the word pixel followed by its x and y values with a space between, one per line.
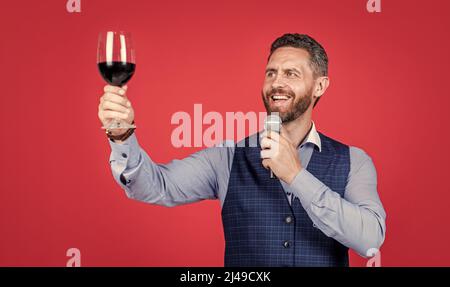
pixel 277 152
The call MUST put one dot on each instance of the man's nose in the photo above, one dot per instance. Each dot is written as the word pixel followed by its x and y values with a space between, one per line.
pixel 278 82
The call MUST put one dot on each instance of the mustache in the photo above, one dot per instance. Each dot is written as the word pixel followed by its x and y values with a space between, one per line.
pixel 280 91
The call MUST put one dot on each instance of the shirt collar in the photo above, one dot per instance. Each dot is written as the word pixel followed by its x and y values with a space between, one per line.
pixel 313 137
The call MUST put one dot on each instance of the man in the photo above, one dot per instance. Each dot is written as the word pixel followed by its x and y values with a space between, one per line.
pixel 323 200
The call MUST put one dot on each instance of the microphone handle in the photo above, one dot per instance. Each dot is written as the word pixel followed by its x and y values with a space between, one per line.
pixel 272 175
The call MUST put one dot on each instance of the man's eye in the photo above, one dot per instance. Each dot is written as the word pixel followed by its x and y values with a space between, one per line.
pixel 291 74
pixel 269 74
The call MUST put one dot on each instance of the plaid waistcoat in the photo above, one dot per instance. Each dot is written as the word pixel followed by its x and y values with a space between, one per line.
pixel 262 229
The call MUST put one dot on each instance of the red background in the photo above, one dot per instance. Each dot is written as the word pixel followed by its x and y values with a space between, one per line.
pixel 388 95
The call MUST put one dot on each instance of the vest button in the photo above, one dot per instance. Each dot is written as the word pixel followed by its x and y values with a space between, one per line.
pixel 288 219
pixel 287 244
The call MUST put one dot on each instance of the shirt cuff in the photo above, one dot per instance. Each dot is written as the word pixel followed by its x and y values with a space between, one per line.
pixel 126 153
pixel 306 187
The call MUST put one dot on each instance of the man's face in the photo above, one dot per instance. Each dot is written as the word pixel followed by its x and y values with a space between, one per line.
pixel 288 83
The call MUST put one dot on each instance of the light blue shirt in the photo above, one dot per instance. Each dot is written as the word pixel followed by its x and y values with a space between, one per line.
pixel 357 220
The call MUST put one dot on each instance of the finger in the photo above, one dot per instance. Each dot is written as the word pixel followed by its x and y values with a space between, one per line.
pixel 108 105
pixel 114 89
pixel 116 99
pixel 114 115
pixel 266 163
pixel 270 134
pixel 273 135
pixel 263 134
pixel 274 146
pixel 267 153
pixel 267 143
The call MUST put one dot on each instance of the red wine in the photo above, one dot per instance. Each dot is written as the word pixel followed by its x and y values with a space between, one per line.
pixel 116 73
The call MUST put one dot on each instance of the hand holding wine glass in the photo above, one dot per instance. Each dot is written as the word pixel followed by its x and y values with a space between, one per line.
pixel 114 104
pixel 116 63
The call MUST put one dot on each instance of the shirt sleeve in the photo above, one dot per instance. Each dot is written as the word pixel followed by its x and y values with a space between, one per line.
pixel 179 182
pixel 358 219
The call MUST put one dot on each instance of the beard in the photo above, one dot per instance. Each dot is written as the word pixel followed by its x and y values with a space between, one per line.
pixel 297 107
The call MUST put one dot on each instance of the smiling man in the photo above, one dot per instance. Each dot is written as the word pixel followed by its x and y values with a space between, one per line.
pixel 323 200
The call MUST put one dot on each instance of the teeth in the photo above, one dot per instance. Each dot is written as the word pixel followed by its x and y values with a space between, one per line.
pixel 279 98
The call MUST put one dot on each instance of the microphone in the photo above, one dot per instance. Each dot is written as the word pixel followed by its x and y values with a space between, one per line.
pixel 272 123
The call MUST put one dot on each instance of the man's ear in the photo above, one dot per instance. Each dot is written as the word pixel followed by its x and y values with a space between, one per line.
pixel 320 86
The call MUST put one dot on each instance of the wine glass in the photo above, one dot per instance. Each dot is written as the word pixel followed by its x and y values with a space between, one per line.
pixel 116 63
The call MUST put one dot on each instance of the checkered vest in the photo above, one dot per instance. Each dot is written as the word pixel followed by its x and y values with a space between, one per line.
pixel 262 229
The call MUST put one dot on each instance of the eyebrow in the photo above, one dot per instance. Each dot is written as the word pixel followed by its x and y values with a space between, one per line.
pixel 289 69
pixel 294 69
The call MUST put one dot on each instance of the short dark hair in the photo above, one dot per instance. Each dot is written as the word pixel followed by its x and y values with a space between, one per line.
pixel 317 54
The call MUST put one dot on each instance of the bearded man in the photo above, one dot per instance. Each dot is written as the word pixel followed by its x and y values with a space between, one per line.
pixel 322 201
